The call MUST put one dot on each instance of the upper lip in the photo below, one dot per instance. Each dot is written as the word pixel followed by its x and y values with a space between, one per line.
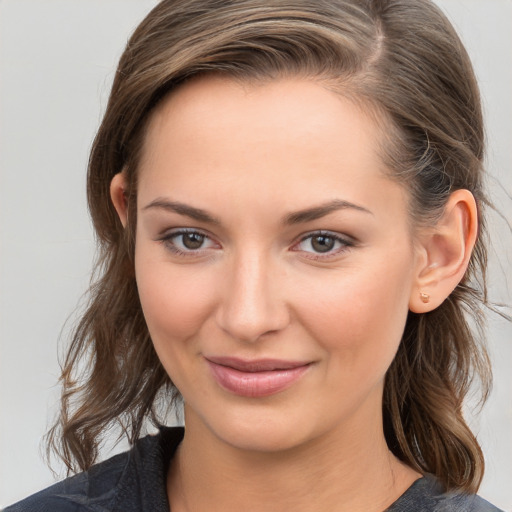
pixel 256 365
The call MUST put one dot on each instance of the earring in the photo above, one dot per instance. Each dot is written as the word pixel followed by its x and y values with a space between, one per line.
pixel 425 297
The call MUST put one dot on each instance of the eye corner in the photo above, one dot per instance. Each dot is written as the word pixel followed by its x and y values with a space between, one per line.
pixel 328 245
pixel 197 244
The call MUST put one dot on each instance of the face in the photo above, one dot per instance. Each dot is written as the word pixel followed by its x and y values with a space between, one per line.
pixel 274 260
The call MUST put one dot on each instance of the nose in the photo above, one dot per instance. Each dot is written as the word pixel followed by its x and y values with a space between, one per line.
pixel 252 303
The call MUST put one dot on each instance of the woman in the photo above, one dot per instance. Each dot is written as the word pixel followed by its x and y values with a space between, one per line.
pixel 288 198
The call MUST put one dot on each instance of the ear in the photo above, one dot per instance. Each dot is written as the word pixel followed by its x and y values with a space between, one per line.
pixel 444 252
pixel 118 196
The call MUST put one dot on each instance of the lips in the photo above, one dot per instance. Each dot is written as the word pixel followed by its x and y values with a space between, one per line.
pixel 256 378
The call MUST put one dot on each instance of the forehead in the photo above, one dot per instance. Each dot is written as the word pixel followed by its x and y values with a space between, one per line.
pixel 287 141
pixel 268 112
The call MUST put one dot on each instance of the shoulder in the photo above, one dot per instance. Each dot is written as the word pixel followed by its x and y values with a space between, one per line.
pixel 465 503
pixel 426 495
pixel 110 485
pixel 77 492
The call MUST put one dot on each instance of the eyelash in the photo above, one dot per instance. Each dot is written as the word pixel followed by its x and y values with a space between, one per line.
pixel 346 244
pixel 167 241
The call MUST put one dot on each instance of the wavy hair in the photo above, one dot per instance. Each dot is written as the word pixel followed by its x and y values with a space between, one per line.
pixel 403 59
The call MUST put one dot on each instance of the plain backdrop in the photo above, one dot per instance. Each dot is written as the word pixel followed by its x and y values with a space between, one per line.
pixel 57 60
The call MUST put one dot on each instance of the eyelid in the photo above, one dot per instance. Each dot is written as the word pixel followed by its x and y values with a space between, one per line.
pixel 166 239
pixel 326 232
pixel 347 243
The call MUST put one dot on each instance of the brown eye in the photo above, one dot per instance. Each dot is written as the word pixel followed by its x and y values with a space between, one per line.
pixel 192 240
pixel 191 243
pixel 322 243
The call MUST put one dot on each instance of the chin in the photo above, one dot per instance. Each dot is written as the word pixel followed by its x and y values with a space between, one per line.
pixel 264 438
pixel 257 429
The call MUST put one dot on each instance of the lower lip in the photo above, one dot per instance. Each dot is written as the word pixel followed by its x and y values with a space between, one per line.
pixel 256 384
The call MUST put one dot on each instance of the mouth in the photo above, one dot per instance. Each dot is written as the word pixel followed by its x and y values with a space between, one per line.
pixel 256 378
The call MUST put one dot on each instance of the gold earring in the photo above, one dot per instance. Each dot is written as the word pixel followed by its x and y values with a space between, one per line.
pixel 425 297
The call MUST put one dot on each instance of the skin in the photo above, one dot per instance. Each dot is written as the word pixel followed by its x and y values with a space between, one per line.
pixel 252 156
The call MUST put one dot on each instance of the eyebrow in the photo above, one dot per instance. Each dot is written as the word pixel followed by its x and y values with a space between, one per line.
pixel 317 212
pixel 183 209
pixel 306 215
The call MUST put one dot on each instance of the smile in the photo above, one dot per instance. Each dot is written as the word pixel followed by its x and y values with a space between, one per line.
pixel 257 378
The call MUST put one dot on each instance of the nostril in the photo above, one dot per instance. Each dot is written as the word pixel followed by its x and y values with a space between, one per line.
pixel 251 321
pixel 251 305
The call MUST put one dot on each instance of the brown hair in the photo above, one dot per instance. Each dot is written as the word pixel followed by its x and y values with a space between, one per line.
pixel 400 56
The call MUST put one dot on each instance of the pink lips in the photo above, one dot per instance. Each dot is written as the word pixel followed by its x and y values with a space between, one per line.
pixel 256 378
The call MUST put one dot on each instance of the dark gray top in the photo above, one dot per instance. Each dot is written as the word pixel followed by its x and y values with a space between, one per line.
pixel 135 481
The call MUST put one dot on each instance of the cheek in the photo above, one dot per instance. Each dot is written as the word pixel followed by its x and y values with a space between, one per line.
pixel 358 316
pixel 175 299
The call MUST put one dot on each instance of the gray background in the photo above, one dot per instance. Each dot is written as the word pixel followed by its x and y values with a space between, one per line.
pixel 57 59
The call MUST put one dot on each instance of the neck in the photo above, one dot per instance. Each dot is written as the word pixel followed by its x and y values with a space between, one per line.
pixel 341 471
